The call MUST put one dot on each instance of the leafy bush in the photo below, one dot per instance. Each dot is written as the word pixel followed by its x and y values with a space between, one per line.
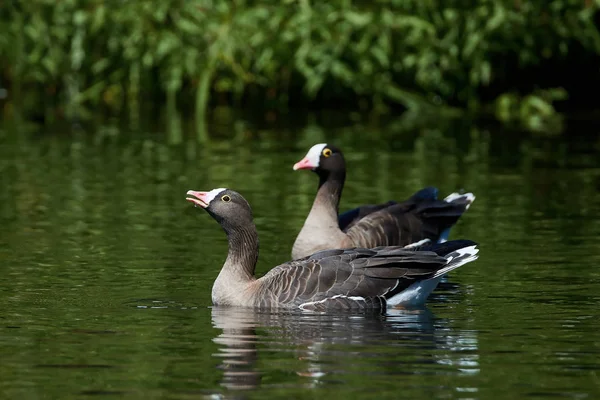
pixel 420 54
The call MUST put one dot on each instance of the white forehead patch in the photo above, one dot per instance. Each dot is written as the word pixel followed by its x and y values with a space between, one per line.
pixel 314 154
pixel 213 193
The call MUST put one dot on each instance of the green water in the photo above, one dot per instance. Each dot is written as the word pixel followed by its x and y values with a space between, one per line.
pixel 106 270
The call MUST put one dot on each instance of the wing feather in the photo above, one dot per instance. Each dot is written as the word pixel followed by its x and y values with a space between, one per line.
pixel 351 278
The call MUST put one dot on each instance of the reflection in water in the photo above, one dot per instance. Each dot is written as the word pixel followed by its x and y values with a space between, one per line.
pixel 326 347
pixel 238 349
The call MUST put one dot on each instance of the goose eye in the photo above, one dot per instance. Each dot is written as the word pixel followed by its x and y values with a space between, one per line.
pixel 226 199
pixel 326 152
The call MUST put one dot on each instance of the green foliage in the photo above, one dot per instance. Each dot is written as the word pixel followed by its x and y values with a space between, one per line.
pixel 534 111
pixel 420 54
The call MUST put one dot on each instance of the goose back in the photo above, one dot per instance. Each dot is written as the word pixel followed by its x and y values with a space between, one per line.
pixel 407 222
pixel 350 217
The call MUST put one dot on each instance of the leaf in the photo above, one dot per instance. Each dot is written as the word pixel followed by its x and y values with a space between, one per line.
pixel 497 19
pixel 557 94
pixel 384 41
pixel 257 39
pixel 31 32
pixel 410 60
pixel 98 18
pixel 505 107
pixel 341 70
pixel 366 67
pixel 473 41
pixel 174 80
pixel 364 43
pixel 264 59
pixel 49 65
pixel 166 45
pixel 450 14
pixel 148 60
pixel 188 27
pixel 224 85
pixel 381 56
pixel 313 84
pixel 79 17
pixel 100 66
pixel 160 12
pixel 486 72
pixel 533 103
pixel 357 19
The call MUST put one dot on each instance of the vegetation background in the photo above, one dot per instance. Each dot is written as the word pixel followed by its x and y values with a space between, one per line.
pixel 520 62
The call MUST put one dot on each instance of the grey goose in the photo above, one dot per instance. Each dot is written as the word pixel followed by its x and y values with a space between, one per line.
pixel 351 279
pixel 420 217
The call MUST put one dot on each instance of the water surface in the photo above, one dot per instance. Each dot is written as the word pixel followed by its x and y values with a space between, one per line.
pixel 107 270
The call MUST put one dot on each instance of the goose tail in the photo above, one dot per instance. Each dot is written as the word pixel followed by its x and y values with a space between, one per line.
pixel 456 252
pixel 463 201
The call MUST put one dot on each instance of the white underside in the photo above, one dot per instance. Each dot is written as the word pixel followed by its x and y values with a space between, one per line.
pixel 414 295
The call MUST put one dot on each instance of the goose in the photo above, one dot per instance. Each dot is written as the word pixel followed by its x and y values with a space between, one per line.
pixel 422 216
pixel 339 279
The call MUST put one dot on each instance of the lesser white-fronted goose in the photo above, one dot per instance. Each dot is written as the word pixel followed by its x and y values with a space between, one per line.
pixel 420 217
pixel 333 279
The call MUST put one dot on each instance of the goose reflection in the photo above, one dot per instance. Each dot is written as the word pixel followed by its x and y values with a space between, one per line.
pixel 238 349
pixel 324 344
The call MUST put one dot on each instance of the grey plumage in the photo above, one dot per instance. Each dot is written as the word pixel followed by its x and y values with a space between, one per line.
pixel 420 217
pixel 352 279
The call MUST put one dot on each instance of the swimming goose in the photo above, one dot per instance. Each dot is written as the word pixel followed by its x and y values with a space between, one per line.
pixel 351 279
pixel 420 217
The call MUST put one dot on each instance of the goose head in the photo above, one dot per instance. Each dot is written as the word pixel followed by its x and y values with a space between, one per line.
pixel 226 206
pixel 322 158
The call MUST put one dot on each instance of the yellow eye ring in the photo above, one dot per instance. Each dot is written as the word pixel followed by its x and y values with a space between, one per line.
pixel 226 198
pixel 326 152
